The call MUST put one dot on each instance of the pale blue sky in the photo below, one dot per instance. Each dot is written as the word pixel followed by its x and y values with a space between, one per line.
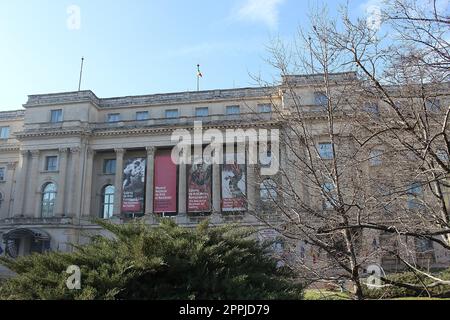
pixel 140 46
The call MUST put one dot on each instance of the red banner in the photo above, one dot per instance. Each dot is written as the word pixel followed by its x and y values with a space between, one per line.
pixel 199 188
pixel 234 185
pixel 165 187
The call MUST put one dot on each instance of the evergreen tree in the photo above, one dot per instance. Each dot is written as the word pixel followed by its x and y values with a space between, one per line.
pixel 164 262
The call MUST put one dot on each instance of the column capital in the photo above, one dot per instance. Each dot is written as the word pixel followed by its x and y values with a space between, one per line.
pixel 11 165
pixel 90 151
pixel 34 153
pixel 150 150
pixel 119 150
pixel 75 149
pixel 24 152
pixel 62 150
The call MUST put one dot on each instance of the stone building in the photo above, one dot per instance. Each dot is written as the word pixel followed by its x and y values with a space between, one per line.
pixel 64 160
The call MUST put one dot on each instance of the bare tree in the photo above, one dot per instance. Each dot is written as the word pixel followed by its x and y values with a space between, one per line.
pixel 391 106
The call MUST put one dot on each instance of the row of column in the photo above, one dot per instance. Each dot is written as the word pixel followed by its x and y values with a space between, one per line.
pixel 182 185
pixel 74 183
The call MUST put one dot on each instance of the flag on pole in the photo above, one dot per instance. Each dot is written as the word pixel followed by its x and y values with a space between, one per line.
pixel 199 74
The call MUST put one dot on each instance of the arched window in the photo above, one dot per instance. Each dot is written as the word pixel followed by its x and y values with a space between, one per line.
pixel 107 202
pixel 48 200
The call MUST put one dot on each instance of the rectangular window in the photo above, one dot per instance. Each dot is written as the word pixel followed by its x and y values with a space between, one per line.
pixel 325 151
pixel 142 115
pixel 113 117
pixel 414 194
pixel 371 107
pixel 320 99
pixel 330 197
pixel 201 112
pixel 375 157
pixel 233 110
pixel 442 155
pixel 433 104
pixel 51 163
pixel 424 245
pixel 109 166
pixel 56 115
pixel 2 174
pixel 172 113
pixel 4 132
pixel 264 108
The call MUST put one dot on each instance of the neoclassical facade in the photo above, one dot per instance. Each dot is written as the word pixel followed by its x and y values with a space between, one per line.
pixel 70 157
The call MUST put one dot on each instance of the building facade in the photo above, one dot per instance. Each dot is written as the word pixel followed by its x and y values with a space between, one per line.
pixel 70 157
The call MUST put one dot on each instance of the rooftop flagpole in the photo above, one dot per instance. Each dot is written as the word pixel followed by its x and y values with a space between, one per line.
pixel 81 74
pixel 199 75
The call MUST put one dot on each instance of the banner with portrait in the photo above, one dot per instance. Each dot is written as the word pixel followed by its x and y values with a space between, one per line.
pixel 165 183
pixel 234 184
pixel 133 188
pixel 199 187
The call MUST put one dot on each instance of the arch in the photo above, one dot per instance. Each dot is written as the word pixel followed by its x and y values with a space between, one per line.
pixel 48 199
pixel 107 201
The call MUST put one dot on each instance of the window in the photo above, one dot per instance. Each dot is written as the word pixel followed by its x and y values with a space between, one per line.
pixel 325 151
pixel 2 174
pixel 375 157
pixel 51 163
pixel 233 110
pixel 442 155
pixel 264 108
pixel 142 115
pixel 320 99
pixel 56 115
pixel 48 200
pixel 107 202
pixel 109 166
pixel 201 112
pixel 4 132
pixel 371 107
pixel 268 190
pixel 433 104
pixel 113 117
pixel 424 245
pixel 330 197
pixel 173 113
pixel 1 199
pixel 414 192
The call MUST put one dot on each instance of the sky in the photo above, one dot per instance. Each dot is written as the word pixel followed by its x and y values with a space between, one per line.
pixel 134 47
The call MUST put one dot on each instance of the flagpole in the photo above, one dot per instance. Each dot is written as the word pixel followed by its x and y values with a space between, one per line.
pixel 198 77
pixel 81 73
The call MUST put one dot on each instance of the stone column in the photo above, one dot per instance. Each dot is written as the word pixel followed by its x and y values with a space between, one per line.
pixel 216 187
pixel 9 195
pixel 33 191
pixel 74 183
pixel 118 182
pixel 19 192
pixel 61 194
pixel 87 188
pixel 149 180
pixel 182 189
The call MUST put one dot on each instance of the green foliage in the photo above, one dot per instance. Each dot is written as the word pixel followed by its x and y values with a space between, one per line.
pixel 417 280
pixel 165 262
